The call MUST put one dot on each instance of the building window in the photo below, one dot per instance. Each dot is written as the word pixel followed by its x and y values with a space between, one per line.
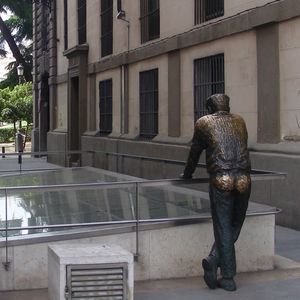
pixel 106 27
pixel 150 22
pixel 208 80
pixel 149 103
pixel 206 10
pixel 66 24
pixel 81 12
pixel 105 106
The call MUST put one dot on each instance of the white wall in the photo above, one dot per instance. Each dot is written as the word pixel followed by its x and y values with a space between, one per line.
pixel 115 75
pixel 240 79
pixel 233 7
pixel 93 29
pixel 72 24
pixel 161 63
pixel 176 16
pixel 289 47
pixel 61 109
pixel 62 62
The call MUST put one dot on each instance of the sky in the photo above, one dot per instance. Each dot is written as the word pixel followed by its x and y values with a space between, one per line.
pixel 5 61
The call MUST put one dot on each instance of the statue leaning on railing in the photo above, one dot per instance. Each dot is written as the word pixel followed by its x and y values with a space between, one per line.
pixel 224 137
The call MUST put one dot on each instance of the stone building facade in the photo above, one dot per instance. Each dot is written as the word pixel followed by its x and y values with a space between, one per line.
pixel 131 76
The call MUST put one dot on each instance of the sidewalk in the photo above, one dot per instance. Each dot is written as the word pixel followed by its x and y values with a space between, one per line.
pixel 281 283
pixel 10 147
pixel 9 163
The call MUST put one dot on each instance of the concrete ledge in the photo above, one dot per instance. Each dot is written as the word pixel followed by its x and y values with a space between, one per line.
pixel 164 253
pixel 290 148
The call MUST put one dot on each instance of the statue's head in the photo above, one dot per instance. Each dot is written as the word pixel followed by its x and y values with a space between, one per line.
pixel 217 102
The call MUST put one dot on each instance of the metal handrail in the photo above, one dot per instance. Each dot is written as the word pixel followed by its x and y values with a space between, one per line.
pixel 124 155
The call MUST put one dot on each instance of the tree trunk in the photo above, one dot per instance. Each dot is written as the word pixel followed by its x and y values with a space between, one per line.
pixel 13 47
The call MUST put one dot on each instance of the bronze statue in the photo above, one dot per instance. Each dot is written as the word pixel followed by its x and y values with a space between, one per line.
pixel 224 137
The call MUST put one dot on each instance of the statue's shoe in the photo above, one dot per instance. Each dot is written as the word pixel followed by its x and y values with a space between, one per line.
pixel 227 284
pixel 210 268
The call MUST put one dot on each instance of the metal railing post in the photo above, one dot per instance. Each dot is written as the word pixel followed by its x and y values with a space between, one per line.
pixel 137 217
pixel 6 264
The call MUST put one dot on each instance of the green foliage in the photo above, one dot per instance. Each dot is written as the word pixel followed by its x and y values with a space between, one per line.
pixel 21 19
pixel 16 105
pixel 12 78
pixel 7 135
pixel 4 97
pixel 19 25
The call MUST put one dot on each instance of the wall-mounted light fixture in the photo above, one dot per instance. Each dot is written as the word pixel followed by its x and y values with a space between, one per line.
pixel 120 14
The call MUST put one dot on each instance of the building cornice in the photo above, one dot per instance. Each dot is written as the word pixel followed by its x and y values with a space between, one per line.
pixel 76 50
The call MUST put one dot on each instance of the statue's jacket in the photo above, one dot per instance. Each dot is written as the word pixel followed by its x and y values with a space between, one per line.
pixel 224 137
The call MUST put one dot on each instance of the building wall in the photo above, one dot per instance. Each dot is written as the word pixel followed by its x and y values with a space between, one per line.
pixel 289 51
pixel 62 62
pixel 160 63
pixel 72 24
pixel 93 29
pixel 62 106
pixel 240 62
pixel 240 78
pixel 260 42
pixel 116 81
pixel 233 7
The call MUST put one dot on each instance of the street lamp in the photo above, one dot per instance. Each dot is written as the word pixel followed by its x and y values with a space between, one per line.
pixel 20 71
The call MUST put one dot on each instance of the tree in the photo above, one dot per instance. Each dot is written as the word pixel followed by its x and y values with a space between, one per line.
pixel 16 105
pixel 15 31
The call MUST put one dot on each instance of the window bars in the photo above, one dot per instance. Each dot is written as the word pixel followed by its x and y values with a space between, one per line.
pixel 150 20
pixel 81 13
pixel 206 10
pixel 208 80
pixel 106 27
pixel 149 103
pixel 105 105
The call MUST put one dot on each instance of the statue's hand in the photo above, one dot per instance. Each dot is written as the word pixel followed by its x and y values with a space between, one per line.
pixel 183 176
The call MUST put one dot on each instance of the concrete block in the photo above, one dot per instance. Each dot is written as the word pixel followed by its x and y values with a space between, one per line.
pixel 60 256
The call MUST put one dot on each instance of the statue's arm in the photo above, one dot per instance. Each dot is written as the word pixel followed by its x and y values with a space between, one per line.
pixel 194 154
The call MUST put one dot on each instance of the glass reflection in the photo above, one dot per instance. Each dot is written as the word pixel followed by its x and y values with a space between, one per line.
pixel 97 204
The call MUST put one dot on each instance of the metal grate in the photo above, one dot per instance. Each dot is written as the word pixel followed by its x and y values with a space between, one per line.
pixel 206 10
pixel 66 24
pixel 81 13
pixel 149 103
pixel 106 27
pixel 208 80
pixel 105 105
pixel 99 281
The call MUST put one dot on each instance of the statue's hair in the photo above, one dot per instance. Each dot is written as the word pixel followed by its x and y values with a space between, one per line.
pixel 218 102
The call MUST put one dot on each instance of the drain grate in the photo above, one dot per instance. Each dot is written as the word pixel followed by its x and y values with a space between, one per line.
pixel 100 281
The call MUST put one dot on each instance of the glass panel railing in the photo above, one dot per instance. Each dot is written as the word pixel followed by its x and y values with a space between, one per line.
pixel 173 200
pixel 54 208
pixel 66 198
